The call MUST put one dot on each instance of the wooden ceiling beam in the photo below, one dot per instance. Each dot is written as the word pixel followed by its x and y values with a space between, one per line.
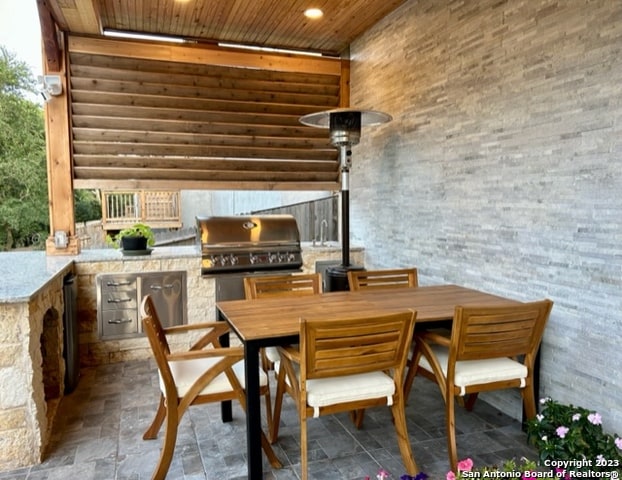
pixel 204 55
pixel 159 184
pixel 49 38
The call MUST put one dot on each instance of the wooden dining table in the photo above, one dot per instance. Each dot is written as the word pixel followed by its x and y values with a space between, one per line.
pixel 276 321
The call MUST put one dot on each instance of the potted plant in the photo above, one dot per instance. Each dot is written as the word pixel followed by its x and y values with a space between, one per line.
pixel 135 238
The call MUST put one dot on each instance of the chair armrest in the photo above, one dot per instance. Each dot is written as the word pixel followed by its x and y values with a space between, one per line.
pixel 290 352
pixel 195 326
pixel 207 353
pixel 215 330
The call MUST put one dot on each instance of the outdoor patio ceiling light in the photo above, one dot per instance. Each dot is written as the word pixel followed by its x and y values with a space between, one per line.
pixel 143 36
pixel 314 13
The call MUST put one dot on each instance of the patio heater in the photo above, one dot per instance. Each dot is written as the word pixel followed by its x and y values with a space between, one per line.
pixel 344 125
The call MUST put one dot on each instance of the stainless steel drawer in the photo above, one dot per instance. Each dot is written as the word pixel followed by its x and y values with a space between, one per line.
pixel 119 296
pixel 119 300
pixel 119 323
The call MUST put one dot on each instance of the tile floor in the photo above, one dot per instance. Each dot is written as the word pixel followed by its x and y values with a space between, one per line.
pixel 98 436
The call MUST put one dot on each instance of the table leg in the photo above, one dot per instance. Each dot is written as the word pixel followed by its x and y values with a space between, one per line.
pixel 253 411
pixel 226 410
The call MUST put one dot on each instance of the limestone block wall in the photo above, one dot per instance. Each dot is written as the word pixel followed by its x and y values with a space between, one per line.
pixel 93 351
pixel 201 300
pixel 25 417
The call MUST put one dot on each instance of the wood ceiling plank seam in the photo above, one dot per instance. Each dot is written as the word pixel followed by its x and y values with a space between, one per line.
pixel 210 18
pixel 270 16
pixel 128 66
pixel 116 126
pixel 205 150
pixel 93 74
pixel 116 98
pixel 171 174
pixel 98 160
pixel 237 21
pixel 81 183
pixel 240 96
pixel 241 150
pixel 196 173
pixel 264 88
pixel 84 114
pixel 137 137
pixel 159 89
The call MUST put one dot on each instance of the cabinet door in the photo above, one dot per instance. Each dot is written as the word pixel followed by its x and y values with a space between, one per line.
pixel 168 291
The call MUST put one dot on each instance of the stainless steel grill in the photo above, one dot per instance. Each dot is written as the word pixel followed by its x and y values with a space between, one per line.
pixel 249 243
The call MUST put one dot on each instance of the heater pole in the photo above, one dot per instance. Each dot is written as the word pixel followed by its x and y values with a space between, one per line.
pixel 346 162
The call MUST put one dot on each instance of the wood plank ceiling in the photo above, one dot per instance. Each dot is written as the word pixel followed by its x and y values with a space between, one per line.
pixel 157 115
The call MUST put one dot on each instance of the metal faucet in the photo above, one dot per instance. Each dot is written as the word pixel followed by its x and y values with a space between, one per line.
pixel 323 234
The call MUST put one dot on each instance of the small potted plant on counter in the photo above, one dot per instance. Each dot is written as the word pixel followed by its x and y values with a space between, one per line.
pixel 135 239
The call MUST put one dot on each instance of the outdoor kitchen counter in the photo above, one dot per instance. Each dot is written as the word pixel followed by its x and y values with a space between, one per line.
pixel 24 274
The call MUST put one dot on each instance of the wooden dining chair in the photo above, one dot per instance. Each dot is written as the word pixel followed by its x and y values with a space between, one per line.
pixel 351 363
pixel 206 373
pixel 279 285
pixel 377 279
pixel 490 348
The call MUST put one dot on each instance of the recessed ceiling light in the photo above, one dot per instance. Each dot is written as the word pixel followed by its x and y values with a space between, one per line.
pixel 314 13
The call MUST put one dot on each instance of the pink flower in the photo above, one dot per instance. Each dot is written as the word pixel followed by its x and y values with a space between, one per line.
pixel 595 418
pixel 576 416
pixel 618 442
pixel 465 465
pixel 451 476
pixel 562 431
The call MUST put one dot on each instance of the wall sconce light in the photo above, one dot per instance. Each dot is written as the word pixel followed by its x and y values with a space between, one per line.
pixel 51 85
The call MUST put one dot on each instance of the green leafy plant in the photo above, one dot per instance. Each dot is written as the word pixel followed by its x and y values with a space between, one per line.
pixel 136 230
pixel 465 470
pixel 575 434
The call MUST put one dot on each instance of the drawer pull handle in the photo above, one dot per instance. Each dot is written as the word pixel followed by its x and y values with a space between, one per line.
pixel 118 284
pixel 119 321
pixel 161 287
pixel 119 300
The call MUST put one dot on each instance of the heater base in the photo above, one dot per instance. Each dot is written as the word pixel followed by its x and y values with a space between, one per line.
pixel 337 277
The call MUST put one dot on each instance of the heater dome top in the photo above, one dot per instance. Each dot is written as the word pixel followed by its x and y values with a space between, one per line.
pixel 322 119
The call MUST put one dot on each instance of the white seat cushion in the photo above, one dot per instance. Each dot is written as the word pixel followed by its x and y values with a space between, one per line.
pixel 272 354
pixel 475 372
pixel 186 372
pixel 329 391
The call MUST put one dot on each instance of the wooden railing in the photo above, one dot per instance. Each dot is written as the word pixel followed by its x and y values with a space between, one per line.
pixel 157 209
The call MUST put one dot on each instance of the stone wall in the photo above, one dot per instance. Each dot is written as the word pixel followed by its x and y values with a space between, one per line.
pixel 24 413
pixel 501 169
pixel 201 307
pixel 201 301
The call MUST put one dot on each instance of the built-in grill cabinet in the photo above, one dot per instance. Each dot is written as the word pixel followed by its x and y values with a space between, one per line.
pixel 119 296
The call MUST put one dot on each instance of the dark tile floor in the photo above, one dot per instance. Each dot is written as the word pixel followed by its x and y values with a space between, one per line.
pixel 98 436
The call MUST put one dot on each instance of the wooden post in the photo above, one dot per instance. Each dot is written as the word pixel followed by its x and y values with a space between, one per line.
pixel 59 167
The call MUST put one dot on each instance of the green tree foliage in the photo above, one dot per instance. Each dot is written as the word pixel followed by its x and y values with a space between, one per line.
pixel 87 205
pixel 24 213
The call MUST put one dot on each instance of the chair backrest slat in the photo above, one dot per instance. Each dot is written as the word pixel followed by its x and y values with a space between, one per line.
pixel 345 346
pixel 506 331
pixel 378 279
pixel 282 285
